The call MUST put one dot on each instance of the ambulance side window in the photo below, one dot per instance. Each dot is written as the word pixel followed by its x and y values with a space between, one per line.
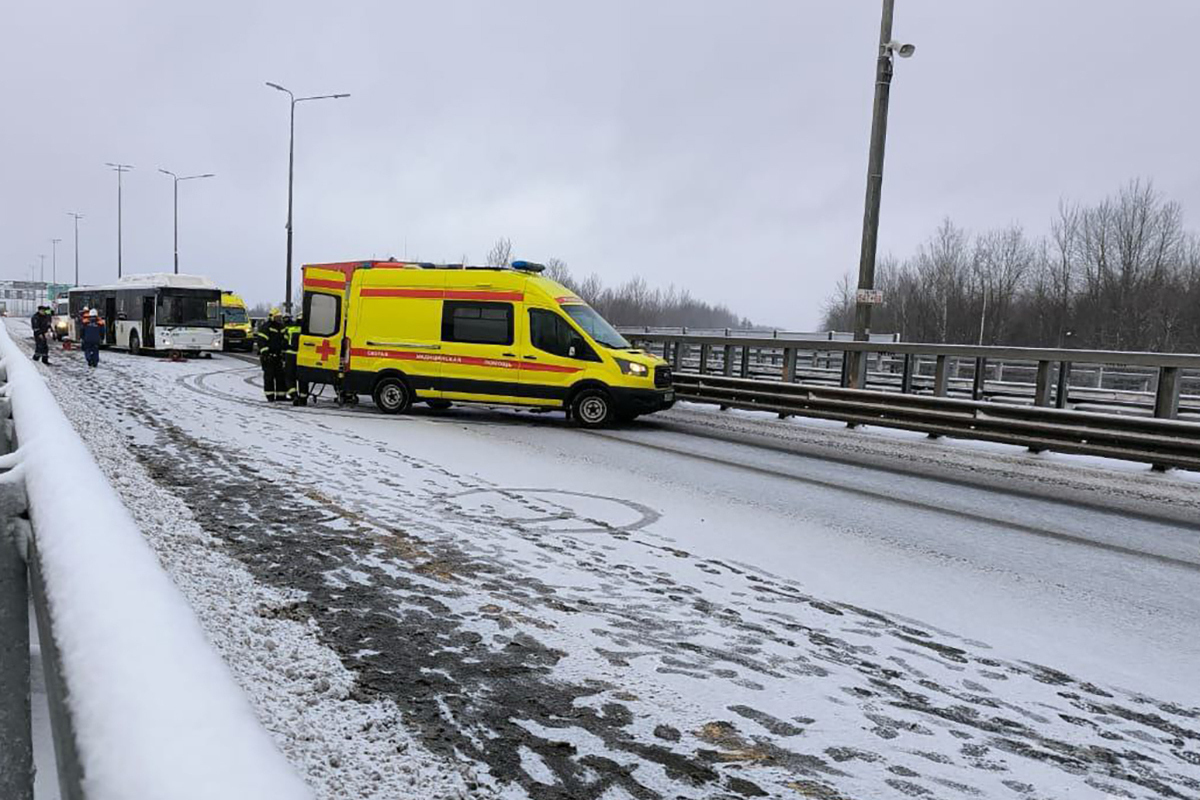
pixel 321 314
pixel 551 333
pixel 477 323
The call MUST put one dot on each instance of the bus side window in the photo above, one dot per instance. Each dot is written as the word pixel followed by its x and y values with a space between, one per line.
pixel 321 314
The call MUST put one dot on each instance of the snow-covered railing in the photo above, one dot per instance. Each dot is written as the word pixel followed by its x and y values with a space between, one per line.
pixel 141 705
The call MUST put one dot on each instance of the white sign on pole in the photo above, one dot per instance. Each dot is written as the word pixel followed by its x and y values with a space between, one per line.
pixel 869 297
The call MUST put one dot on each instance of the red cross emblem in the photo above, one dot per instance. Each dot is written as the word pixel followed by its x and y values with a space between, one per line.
pixel 325 349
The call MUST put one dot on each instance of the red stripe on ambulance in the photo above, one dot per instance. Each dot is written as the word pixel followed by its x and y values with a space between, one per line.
pixel 496 363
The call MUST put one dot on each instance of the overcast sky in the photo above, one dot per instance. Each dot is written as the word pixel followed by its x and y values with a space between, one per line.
pixel 720 146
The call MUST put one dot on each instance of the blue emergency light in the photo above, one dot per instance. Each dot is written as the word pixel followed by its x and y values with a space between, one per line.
pixel 528 266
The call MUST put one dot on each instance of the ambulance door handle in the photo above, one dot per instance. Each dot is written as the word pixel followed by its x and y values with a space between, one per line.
pixel 532 358
pixel 509 355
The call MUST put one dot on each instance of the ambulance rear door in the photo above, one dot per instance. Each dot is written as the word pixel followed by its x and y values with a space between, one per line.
pixel 324 309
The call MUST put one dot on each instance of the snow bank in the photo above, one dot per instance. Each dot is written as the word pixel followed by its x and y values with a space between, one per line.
pixel 155 710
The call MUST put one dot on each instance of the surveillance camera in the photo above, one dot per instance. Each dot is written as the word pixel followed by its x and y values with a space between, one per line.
pixel 902 50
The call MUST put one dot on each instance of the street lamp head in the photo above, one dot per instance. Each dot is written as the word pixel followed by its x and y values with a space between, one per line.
pixel 902 50
pixel 166 172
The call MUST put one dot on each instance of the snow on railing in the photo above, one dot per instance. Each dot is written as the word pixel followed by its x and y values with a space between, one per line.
pixel 142 706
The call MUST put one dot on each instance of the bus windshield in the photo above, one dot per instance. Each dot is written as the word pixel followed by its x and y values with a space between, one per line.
pixel 596 326
pixel 235 314
pixel 186 309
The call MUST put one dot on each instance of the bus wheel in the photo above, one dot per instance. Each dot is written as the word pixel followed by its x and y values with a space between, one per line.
pixel 392 396
pixel 592 408
pixel 135 343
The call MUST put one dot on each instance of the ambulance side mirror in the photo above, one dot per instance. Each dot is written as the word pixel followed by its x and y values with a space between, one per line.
pixel 571 351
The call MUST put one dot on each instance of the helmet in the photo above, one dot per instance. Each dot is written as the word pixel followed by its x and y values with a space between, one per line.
pixel 274 312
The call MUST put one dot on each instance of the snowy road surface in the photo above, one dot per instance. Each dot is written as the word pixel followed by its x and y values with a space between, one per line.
pixel 492 604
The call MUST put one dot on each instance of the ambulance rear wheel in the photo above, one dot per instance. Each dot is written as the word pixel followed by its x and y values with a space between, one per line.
pixel 392 396
pixel 592 408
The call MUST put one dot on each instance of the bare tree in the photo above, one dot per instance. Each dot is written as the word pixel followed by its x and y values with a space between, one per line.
pixel 501 253
pixel 1122 273
pixel 556 270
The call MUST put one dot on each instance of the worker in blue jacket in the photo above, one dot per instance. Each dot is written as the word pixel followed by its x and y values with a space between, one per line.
pixel 91 337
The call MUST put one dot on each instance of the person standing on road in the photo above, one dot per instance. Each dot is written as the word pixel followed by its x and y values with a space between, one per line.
pixel 297 389
pixel 91 336
pixel 41 329
pixel 272 341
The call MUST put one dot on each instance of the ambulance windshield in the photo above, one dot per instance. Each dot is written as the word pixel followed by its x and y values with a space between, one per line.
pixel 235 314
pixel 595 326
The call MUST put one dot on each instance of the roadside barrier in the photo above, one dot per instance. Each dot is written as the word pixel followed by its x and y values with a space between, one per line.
pixel 140 704
pixel 912 386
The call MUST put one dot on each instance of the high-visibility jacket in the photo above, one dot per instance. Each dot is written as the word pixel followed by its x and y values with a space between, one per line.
pixel 272 339
pixel 292 333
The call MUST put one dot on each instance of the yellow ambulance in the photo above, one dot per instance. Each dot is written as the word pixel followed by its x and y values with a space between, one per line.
pixel 407 333
pixel 236 323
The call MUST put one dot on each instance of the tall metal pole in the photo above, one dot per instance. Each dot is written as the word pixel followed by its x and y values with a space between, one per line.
pixel 77 218
pixel 287 302
pixel 120 169
pixel 177 226
pixel 119 248
pixel 177 179
pixel 54 260
pixel 870 235
pixel 42 257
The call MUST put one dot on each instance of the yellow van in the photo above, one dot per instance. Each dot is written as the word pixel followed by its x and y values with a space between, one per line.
pixel 405 333
pixel 236 322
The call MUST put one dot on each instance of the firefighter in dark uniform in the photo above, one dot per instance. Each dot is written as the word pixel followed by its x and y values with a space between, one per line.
pixel 272 342
pixel 297 390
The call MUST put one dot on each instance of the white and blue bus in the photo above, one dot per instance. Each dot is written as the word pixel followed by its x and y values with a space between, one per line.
pixel 160 312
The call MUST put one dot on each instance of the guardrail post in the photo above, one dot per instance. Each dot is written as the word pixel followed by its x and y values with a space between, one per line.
pixel 1041 392
pixel 789 365
pixel 941 376
pixel 1064 384
pixel 746 361
pixel 728 360
pixel 16 734
pixel 906 377
pixel 977 390
pixel 703 358
pixel 677 360
pixel 1166 398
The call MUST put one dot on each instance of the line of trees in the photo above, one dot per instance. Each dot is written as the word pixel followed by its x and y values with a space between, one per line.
pixel 1123 274
pixel 633 302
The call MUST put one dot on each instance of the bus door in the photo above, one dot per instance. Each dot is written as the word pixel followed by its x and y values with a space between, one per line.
pixel 148 304
pixel 110 320
pixel 318 359
pixel 554 355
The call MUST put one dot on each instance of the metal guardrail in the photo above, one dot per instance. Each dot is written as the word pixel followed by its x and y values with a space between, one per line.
pixel 721 372
pixel 176 725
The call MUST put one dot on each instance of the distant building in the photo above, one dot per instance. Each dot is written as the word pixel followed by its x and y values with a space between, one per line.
pixel 21 298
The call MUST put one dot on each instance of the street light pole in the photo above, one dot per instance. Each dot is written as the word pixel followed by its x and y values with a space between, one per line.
pixel 120 169
pixel 42 256
pixel 287 302
pixel 54 260
pixel 77 218
pixel 870 235
pixel 177 179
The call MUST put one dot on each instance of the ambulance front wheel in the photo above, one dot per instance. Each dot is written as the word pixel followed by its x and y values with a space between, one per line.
pixel 593 408
pixel 392 395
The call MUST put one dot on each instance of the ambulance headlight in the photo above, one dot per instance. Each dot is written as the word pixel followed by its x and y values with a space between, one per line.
pixel 632 368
